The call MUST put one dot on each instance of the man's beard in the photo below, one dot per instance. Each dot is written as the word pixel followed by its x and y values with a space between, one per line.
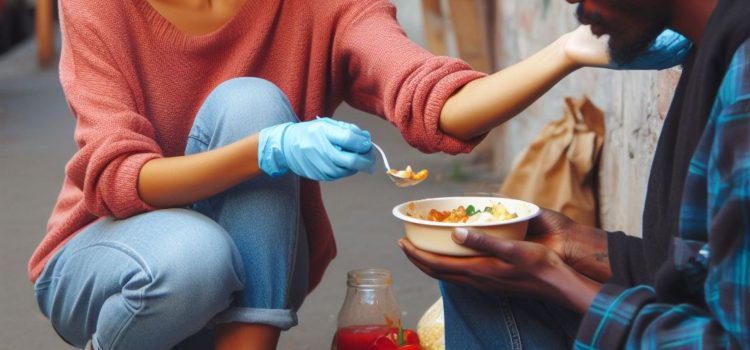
pixel 627 51
pixel 628 42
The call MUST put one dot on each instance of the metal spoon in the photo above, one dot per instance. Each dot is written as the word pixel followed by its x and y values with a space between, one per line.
pixel 400 181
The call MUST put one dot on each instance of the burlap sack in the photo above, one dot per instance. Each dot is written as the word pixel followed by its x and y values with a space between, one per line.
pixel 558 170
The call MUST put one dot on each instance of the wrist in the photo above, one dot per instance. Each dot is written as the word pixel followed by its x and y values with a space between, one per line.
pixel 586 251
pixel 271 158
pixel 566 63
pixel 572 289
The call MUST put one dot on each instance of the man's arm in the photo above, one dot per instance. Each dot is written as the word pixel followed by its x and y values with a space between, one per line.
pixel 713 245
pixel 636 318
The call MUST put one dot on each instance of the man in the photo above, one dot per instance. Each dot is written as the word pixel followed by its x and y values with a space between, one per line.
pixel 685 285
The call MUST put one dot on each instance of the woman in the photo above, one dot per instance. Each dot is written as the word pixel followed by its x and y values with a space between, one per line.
pixel 193 200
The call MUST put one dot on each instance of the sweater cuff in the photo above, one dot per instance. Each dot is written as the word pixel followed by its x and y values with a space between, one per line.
pixel 442 91
pixel 607 322
pixel 128 201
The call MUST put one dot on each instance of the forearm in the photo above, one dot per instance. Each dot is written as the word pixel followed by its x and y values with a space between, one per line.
pixel 179 181
pixel 490 101
pixel 585 250
pixel 573 290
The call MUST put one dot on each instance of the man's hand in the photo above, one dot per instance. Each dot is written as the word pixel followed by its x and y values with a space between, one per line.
pixel 510 267
pixel 553 230
pixel 582 247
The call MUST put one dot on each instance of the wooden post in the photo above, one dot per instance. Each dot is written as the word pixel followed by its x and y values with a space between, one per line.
pixel 469 25
pixel 434 27
pixel 44 32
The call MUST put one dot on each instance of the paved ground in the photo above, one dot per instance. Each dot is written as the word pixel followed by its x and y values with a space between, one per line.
pixel 36 141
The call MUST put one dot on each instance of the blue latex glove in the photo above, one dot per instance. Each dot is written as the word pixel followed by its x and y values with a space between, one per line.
pixel 322 149
pixel 668 50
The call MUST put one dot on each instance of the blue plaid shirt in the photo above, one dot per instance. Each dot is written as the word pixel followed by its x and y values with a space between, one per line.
pixel 711 255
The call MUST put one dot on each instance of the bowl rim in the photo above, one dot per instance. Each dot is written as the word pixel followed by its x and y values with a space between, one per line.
pixel 534 208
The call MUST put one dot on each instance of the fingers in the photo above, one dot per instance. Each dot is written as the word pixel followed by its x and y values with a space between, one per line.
pixel 464 272
pixel 341 124
pixel 353 161
pixel 347 136
pixel 442 265
pixel 502 248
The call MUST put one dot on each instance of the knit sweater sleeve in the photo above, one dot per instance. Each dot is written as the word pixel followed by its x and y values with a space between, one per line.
pixel 114 140
pixel 391 76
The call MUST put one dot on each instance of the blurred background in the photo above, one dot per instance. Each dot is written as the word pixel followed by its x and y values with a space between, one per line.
pixel 36 140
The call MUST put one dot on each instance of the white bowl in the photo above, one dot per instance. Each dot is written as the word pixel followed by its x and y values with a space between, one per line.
pixel 435 236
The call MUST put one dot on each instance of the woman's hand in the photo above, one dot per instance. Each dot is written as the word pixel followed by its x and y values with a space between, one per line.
pixel 583 48
pixel 322 149
pixel 510 267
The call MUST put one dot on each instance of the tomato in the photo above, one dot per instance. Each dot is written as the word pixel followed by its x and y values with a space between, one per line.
pixel 410 337
pixel 390 341
pixel 410 347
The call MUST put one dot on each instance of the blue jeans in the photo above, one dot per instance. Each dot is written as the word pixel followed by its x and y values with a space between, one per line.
pixel 475 320
pixel 153 280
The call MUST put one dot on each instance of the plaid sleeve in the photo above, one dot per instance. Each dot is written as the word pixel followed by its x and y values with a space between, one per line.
pixel 608 321
pixel 715 216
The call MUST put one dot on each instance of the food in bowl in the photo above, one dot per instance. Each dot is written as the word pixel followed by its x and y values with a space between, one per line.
pixel 409 173
pixel 435 236
pixel 470 215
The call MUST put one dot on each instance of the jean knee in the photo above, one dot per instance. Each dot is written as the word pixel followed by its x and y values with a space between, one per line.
pixel 241 107
pixel 201 267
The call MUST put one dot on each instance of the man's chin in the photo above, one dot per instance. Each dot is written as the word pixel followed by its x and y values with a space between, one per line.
pixel 623 56
pixel 628 52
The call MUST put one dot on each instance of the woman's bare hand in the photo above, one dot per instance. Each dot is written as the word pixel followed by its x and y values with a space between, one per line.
pixel 583 48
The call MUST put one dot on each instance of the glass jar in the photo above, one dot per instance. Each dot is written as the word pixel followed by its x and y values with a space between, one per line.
pixel 369 310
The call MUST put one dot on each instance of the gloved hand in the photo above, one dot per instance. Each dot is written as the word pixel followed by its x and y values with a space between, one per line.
pixel 668 50
pixel 322 149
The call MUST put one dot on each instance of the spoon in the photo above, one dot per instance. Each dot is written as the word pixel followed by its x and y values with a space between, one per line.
pixel 399 179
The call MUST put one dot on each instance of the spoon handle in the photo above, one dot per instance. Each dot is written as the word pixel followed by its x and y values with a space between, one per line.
pixel 382 155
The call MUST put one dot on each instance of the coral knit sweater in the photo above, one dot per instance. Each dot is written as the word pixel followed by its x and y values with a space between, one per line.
pixel 134 83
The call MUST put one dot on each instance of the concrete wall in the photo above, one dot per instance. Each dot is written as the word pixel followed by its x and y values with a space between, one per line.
pixel 635 104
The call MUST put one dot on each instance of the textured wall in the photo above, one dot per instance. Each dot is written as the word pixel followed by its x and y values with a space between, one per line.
pixel 634 103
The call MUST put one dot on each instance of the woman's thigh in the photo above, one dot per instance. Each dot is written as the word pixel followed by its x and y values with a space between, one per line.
pixel 147 281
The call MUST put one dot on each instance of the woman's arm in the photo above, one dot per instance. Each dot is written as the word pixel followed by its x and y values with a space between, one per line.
pixel 487 102
pixel 178 181
pixel 439 103
pixel 320 150
pixel 490 101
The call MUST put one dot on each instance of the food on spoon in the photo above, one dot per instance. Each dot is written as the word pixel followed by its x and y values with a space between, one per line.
pixel 470 214
pixel 408 173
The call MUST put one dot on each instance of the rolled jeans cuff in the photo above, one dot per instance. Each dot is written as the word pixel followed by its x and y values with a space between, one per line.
pixel 279 318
